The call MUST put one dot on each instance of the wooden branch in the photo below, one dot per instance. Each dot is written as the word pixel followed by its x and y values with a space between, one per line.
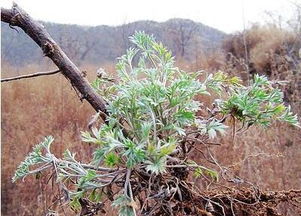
pixel 18 17
pixel 30 75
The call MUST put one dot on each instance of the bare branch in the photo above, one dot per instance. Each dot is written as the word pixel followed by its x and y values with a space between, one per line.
pixel 30 75
pixel 18 17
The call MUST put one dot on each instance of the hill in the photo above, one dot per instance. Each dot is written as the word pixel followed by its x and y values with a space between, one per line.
pixel 101 44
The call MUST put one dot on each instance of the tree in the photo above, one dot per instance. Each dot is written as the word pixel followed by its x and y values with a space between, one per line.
pixel 142 162
pixel 182 34
pixel 77 46
pixel 126 29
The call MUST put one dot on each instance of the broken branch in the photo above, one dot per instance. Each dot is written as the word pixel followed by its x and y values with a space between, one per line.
pixel 30 75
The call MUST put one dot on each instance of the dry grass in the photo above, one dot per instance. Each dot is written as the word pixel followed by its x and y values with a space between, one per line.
pixel 268 48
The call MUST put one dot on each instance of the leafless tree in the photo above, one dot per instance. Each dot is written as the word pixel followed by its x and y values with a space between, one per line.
pixel 77 46
pixel 182 33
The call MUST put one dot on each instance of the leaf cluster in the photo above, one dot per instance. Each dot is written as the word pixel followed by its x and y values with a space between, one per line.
pixel 154 101
pixel 260 103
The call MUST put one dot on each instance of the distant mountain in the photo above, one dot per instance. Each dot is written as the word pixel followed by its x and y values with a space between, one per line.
pixel 101 44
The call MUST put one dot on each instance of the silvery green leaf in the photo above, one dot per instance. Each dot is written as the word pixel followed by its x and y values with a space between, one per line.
pixel 157 166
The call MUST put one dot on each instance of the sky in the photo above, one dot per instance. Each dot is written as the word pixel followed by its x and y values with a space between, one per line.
pixel 226 15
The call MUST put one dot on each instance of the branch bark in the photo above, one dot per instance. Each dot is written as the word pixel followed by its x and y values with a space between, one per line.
pixel 30 75
pixel 18 17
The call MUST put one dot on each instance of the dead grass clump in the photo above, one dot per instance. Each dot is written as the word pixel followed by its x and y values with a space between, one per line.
pixel 261 43
pixel 264 47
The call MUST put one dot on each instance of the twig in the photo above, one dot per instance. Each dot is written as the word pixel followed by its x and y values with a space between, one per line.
pixel 127 184
pixel 30 75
